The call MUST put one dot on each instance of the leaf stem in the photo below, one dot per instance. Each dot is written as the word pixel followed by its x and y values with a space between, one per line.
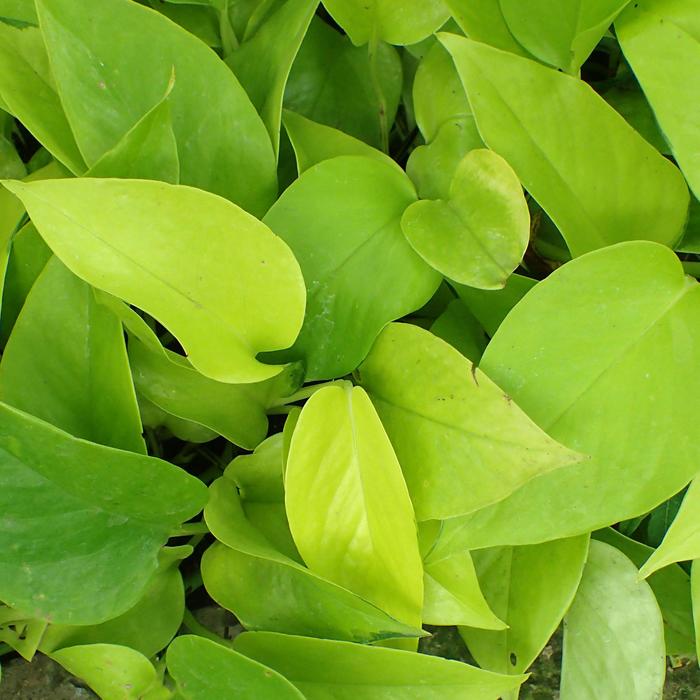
pixel 372 52
pixel 196 627
pixel 190 529
pixel 305 392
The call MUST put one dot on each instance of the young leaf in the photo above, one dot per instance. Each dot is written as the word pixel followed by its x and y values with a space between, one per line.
pixel 462 443
pixel 205 670
pixel 325 670
pixel 262 63
pixel 478 235
pixel 394 21
pixel 61 519
pixel 66 363
pixel 223 146
pixel 613 633
pixel 342 220
pixel 598 180
pixel 348 507
pixel 661 41
pixel 267 590
pixel 529 588
pixel 629 309
pixel 222 283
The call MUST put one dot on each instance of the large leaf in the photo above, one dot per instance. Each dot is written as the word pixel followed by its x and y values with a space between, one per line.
pixel 267 590
pixel 70 506
pixel 613 633
pixel 150 244
pixel 563 34
pixel 529 588
pixel 478 234
pixel 598 180
pixel 661 41
pixel 617 315
pixel 262 63
pixel 327 670
pixel 205 670
pixel 331 83
pixel 342 220
pixel 461 441
pixel 348 506
pixel 223 146
pixel 66 363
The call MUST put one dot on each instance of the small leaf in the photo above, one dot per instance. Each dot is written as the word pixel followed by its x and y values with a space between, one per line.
pixel 478 235
pixel 613 633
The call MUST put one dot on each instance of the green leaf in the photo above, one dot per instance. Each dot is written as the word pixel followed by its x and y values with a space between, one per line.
pixel 348 507
pixel 453 595
pixel 671 588
pixel 263 61
pixel 682 540
pixel 479 234
pixel 28 90
pixel 695 588
pixel 61 520
pixel 267 590
pixel 313 142
pixel 342 220
pixel 529 588
pixel 661 41
pixel 11 165
pixel 394 21
pixel 66 363
pixel 18 11
pixel 613 633
pixel 462 443
pixel 147 151
pixel 617 315
pixel 563 35
pixel 205 670
pixel 598 180
pixel 148 243
pixel 223 146
pixel 113 672
pixel 330 82
pixel 326 670
pixel 236 411
pixel 457 326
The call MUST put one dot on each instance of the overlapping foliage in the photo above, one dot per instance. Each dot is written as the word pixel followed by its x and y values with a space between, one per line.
pixel 349 318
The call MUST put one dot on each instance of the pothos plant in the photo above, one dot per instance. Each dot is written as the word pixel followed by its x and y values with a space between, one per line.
pixel 399 293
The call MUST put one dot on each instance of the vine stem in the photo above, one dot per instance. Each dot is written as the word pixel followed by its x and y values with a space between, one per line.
pixel 372 52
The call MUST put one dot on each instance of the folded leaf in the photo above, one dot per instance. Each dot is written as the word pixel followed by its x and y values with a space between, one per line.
pixel 597 179
pixel 150 244
pixel 462 443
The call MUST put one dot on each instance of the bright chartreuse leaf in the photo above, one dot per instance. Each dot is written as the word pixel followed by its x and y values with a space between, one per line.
pixel 327 670
pixel 341 219
pixel 453 595
pixel 529 588
pixel 613 633
pixel 222 144
pixel 113 672
pixel 477 235
pixel 205 670
pixel 563 34
pixel 394 21
pixel 267 590
pixel 348 506
pixel 631 319
pixel 263 61
pixel 330 82
pixel 597 179
pixel 695 589
pixel 27 88
pixel 661 41
pixel 682 540
pixel 314 142
pixel 147 151
pixel 236 411
pixel 215 276
pixel 457 326
pixel 70 506
pixel 461 441
pixel 672 589
pixel 65 362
